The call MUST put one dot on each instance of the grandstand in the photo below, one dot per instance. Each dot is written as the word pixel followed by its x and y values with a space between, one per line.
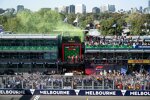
pixel 28 52
pixel 124 54
pixel 61 54
pixel 63 65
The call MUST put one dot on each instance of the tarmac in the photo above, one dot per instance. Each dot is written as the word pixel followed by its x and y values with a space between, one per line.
pixel 48 97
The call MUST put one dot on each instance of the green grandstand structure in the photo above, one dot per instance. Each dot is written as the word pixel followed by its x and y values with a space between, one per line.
pixel 58 53
pixel 28 52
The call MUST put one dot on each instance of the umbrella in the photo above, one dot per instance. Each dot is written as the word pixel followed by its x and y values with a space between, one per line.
pixel 99 67
pixel 89 71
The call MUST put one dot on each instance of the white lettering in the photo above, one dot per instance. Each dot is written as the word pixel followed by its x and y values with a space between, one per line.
pixel 140 93
pixel 17 92
pixel 55 92
pixel 100 93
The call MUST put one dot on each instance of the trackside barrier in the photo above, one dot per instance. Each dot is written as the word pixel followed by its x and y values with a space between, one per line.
pixel 75 92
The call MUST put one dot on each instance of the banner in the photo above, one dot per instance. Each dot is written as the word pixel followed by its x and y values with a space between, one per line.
pixel 100 93
pixel 145 61
pixel 142 46
pixel 136 93
pixel 15 92
pixel 55 92
pixel 75 92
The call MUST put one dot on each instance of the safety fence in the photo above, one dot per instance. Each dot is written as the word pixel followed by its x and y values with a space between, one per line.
pixel 95 82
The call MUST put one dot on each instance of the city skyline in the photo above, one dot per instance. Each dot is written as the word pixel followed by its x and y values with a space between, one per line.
pixel 119 4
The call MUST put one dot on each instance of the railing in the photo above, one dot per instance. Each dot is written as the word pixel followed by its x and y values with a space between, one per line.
pixel 109 47
pixel 27 48
pixel 75 82
pixel 117 47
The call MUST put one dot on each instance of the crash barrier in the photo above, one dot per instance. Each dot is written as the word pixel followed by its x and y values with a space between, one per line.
pixel 75 92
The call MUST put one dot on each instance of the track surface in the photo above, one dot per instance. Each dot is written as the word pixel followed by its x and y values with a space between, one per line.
pixel 45 97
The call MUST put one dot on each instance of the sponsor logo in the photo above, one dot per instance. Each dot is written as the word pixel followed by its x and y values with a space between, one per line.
pixel 77 91
pixel 32 91
pixel 103 93
pixel 123 92
pixel 54 92
pixel 140 93
pixel 12 92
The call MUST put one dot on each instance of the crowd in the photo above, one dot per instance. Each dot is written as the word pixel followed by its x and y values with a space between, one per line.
pixel 115 40
pixel 115 57
pixel 107 80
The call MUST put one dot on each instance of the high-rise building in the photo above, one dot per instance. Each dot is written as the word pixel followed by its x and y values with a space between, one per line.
pixel 141 9
pixel 2 10
pixel 111 8
pixel 134 10
pixel 104 8
pixel 149 3
pixel 146 10
pixel 67 9
pixel 71 9
pixel 20 8
pixel 62 9
pixel 95 10
pixel 80 9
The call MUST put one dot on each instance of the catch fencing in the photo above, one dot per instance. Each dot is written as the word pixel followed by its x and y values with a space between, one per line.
pixel 94 82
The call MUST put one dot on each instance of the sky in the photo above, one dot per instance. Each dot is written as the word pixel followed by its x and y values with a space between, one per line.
pixel 35 5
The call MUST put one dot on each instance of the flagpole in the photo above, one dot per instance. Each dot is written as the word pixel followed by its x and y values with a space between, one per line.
pixel 116 31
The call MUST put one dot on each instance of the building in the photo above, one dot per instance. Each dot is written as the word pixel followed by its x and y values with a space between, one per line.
pixel 40 52
pixel 67 9
pixel 146 10
pixel 2 10
pixel 95 10
pixel 111 8
pixel 134 10
pixel 80 9
pixel 109 57
pixel 63 9
pixel 22 52
pixel 71 9
pixel 104 8
pixel 20 8
pixel 41 9
pixel 141 9
pixel 149 3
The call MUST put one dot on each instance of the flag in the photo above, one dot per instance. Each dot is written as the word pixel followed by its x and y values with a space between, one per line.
pixel 76 20
pixel 115 25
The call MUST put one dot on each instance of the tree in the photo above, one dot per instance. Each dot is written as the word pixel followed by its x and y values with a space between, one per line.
pixel 136 20
pixel 12 24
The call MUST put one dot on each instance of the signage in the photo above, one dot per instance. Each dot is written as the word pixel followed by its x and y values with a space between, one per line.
pixel 100 93
pixel 14 92
pixel 75 92
pixel 56 92
pixel 137 93
pixel 139 61
pixel 143 47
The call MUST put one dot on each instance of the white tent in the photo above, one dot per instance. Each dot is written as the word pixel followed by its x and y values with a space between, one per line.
pixel 126 30
pixel 94 32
